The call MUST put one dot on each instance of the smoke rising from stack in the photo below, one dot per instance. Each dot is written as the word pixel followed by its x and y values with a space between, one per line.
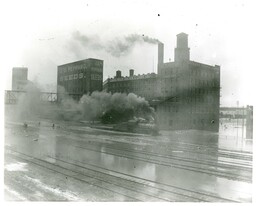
pixel 117 47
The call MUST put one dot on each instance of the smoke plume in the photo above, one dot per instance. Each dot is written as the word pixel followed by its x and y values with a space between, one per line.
pixel 106 107
pixel 117 47
pixel 29 102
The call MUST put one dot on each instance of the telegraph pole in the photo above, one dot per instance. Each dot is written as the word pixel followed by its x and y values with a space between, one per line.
pixel 243 124
pixel 237 109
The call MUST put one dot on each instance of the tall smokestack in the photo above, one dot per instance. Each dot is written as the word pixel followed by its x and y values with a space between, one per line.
pixel 118 74
pixel 131 72
pixel 182 50
pixel 160 56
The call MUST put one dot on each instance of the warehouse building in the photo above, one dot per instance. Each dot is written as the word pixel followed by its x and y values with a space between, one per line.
pixel 185 94
pixel 80 77
pixel 143 85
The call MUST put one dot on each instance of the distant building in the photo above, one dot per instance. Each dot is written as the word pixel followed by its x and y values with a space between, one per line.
pixel 143 85
pixel 233 112
pixel 19 78
pixel 81 77
pixel 249 122
pixel 185 94
pixel 245 113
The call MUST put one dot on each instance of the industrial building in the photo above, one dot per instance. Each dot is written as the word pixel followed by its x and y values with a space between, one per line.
pixel 185 94
pixel 190 90
pixel 19 78
pixel 80 77
pixel 143 85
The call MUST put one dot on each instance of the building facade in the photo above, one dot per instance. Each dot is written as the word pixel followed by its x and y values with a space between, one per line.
pixel 81 77
pixel 143 85
pixel 191 91
pixel 233 112
pixel 185 94
pixel 19 78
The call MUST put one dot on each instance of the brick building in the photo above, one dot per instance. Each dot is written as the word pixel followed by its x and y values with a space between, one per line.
pixel 143 85
pixel 185 94
pixel 80 77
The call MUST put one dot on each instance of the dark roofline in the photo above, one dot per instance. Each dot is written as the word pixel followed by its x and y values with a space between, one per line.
pixel 193 62
pixel 232 108
pixel 20 68
pixel 182 34
pixel 134 77
pixel 80 61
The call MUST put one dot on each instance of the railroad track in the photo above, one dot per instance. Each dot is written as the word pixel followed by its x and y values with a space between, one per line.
pixel 150 139
pixel 120 183
pixel 203 166
pixel 210 168
pixel 211 172
pixel 188 147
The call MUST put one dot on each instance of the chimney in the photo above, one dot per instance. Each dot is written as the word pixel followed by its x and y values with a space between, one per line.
pixel 182 50
pixel 118 74
pixel 160 56
pixel 131 72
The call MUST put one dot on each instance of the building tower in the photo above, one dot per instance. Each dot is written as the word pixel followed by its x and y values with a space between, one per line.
pixel 182 50
pixel 19 78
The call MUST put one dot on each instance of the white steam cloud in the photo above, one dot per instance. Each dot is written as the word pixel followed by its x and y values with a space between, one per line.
pixel 106 107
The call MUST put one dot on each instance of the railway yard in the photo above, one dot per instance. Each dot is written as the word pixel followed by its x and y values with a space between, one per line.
pixel 69 161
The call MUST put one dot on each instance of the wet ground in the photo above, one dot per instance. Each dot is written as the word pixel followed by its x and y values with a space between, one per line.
pixel 73 162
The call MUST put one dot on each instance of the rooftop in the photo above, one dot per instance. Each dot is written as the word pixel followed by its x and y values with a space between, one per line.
pixel 134 77
pixel 81 61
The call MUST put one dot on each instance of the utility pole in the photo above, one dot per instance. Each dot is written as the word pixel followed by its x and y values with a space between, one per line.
pixel 243 124
pixel 237 111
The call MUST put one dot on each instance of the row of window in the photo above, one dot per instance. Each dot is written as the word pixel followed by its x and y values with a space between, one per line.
pixel 78 67
pixel 72 68
pixel 194 108
pixel 203 74
pixel 70 88
pixel 194 72
pixel 195 122
pixel 127 84
pixel 132 87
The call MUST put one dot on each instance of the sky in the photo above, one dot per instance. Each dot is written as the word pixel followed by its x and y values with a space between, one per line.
pixel 41 35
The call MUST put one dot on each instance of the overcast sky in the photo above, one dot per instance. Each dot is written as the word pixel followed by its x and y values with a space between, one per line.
pixel 43 34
